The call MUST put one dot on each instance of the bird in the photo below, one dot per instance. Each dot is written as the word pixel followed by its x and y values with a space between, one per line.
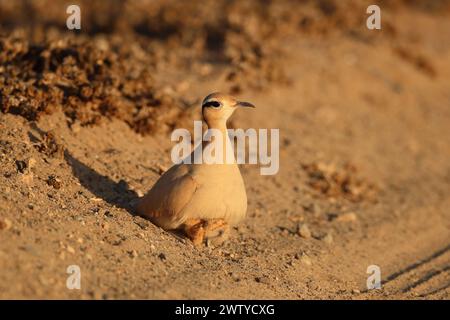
pixel 203 200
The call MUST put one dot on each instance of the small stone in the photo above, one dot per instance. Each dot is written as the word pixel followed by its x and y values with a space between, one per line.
pixel 70 249
pixel 31 163
pixel 5 224
pixel 162 256
pixel 109 214
pixel 54 182
pixel 347 217
pixel 21 166
pixel 328 239
pixel 356 291
pixel 303 231
pixel 133 253
pixel 30 206
pixel 262 279
pixel 305 259
pixel 161 168
pixel 141 235
pixel 235 277
pixel 143 224
pixel 139 193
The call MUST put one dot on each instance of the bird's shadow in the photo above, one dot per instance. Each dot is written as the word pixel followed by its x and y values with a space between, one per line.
pixel 114 193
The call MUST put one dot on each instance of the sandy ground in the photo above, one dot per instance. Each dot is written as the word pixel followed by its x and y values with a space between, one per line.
pixel 364 164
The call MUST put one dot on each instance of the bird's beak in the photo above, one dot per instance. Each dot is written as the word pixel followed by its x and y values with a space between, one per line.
pixel 244 104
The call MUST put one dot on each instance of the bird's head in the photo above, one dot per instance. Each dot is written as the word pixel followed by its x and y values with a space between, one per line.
pixel 218 107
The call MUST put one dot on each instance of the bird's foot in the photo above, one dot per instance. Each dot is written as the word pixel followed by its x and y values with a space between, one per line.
pixel 194 229
pixel 214 232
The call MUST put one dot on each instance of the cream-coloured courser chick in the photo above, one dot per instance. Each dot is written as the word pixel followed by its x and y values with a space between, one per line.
pixel 203 200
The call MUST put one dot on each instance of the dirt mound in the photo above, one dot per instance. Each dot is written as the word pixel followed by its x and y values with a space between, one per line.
pixel 91 75
pixel 339 181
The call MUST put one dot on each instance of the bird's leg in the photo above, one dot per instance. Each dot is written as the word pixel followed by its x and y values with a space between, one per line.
pixel 194 229
pixel 216 231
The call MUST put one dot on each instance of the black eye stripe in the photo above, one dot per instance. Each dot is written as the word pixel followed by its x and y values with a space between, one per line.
pixel 213 104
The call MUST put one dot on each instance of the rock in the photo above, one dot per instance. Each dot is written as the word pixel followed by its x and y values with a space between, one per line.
pixel 161 168
pixel 31 163
pixel 305 259
pixel 5 224
pixel 347 217
pixel 142 223
pixel 21 166
pixel 303 231
pixel 70 249
pixel 356 291
pixel 328 239
pixel 54 182
pixel 162 256
pixel 133 254
pixel 262 279
pixel 109 214
pixel 235 277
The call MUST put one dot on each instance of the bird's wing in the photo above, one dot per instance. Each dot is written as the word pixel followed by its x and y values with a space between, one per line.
pixel 167 198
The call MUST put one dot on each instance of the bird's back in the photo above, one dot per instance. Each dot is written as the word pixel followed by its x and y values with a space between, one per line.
pixel 214 191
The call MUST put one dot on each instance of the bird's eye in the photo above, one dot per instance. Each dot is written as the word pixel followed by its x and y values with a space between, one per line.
pixel 212 104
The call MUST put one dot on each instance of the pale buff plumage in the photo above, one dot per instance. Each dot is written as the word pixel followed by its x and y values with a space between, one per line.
pixel 202 199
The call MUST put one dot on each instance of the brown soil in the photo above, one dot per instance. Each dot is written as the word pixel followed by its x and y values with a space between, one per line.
pixel 364 174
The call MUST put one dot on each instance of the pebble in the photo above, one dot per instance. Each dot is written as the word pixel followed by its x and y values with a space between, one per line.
pixel 54 182
pixel 235 277
pixel 162 256
pixel 328 238
pixel 143 224
pixel 21 166
pixel 303 231
pixel 305 259
pixel 133 253
pixel 262 279
pixel 109 214
pixel 347 217
pixel 31 163
pixel 70 249
pixel 5 224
